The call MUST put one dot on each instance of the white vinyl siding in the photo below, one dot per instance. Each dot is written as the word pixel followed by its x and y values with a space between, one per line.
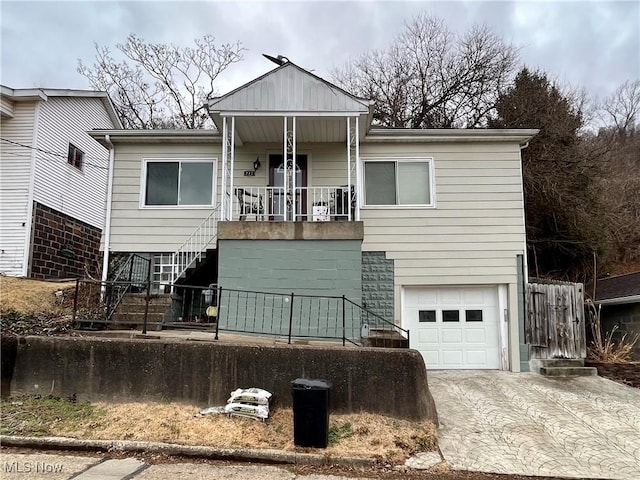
pixel 6 106
pixel 150 229
pixel 79 193
pixel 15 177
pixel 477 229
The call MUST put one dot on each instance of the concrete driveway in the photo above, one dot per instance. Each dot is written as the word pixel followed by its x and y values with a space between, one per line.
pixel 523 423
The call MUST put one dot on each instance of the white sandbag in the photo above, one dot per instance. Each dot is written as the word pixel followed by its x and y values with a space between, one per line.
pixel 260 412
pixel 212 411
pixel 255 396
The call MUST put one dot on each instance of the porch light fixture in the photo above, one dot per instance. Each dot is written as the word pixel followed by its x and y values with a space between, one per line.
pixel 256 164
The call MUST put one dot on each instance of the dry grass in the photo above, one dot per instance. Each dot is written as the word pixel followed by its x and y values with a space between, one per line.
pixel 364 434
pixel 603 348
pixel 32 297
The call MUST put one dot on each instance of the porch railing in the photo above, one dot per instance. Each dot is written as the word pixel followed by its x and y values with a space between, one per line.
pixel 317 204
pixel 195 246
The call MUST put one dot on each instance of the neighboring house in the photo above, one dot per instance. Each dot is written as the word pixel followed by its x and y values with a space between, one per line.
pixel 619 297
pixel 53 179
pixel 296 191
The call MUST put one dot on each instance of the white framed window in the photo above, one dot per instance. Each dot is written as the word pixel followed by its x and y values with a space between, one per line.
pixel 399 182
pixel 178 182
pixel 75 156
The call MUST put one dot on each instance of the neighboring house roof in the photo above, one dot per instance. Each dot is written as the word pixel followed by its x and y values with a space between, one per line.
pixel 156 136
pixel 31 94
pixel 618 289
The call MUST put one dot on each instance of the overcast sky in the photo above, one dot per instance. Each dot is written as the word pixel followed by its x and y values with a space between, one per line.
pixel 591 44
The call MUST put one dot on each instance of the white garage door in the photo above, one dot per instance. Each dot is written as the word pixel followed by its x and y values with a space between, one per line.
pixel 454 327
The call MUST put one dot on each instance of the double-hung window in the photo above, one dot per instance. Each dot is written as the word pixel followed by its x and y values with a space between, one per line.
pixel 403 182
pixel 179 182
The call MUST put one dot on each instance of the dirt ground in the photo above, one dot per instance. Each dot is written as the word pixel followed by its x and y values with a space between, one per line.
pixel 35 296
pixel 35 307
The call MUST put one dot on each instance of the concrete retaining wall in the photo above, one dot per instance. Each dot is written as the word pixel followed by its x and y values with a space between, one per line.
pixel 385 381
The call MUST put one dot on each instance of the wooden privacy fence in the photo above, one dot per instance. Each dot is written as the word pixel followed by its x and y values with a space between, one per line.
pixel 554 321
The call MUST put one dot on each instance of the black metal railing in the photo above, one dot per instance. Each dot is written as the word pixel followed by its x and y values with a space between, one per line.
pixel 287 316
pixel 134 273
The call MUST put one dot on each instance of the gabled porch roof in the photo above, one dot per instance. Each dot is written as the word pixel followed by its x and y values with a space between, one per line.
pixel 320 108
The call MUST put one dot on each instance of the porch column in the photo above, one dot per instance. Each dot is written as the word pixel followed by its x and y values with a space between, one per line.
pixel 228 157
pixel 358 168
pixel 224 197
pixel 289 171
pixel 353 166
pixel 232 143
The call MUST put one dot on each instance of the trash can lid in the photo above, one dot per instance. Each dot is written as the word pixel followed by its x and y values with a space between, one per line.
pixel 310 384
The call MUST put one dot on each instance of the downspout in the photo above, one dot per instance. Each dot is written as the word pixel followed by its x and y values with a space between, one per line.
pixel 525 261
pixel 107 226
pixel 30 220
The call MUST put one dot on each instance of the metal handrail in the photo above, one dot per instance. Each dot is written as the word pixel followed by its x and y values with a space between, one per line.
pixel 381 320
pixel 123 281
pixel 195 245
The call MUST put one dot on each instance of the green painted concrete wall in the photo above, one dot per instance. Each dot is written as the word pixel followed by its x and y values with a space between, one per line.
pixel 309 268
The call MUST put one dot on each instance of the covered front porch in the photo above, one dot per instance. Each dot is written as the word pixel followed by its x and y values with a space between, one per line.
pixel 306 135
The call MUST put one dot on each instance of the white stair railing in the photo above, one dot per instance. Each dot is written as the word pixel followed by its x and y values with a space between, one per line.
pixel 195 246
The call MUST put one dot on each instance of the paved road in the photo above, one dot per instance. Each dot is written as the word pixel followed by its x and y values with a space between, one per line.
pixel 527 424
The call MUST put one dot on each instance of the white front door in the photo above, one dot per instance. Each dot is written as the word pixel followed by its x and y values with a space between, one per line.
pixel 454 327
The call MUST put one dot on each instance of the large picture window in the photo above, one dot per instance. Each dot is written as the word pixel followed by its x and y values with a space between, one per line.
pixel 398 182
pixel 179 183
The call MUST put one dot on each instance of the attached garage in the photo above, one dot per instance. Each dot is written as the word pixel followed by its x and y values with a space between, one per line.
pixel 454 327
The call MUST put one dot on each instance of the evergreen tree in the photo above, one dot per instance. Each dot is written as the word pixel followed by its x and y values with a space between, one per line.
pixel 562 204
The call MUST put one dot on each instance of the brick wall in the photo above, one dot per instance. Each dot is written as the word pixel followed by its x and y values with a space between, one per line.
pixel 62 245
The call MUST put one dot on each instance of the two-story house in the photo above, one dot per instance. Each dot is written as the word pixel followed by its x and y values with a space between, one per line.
pixel 296 191
pixel 53 180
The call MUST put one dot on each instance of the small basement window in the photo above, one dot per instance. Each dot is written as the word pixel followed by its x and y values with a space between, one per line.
pixel 75 157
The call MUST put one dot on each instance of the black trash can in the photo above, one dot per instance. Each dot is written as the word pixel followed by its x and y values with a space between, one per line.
pixel 310 412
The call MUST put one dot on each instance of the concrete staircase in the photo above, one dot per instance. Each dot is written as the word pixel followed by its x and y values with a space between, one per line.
pixel 379 337
pixel 564 367
pixel 130 312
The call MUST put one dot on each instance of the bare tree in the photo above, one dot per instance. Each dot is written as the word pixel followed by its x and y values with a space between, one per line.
pixel 621 109
pixel 158 85
pixel 430 77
